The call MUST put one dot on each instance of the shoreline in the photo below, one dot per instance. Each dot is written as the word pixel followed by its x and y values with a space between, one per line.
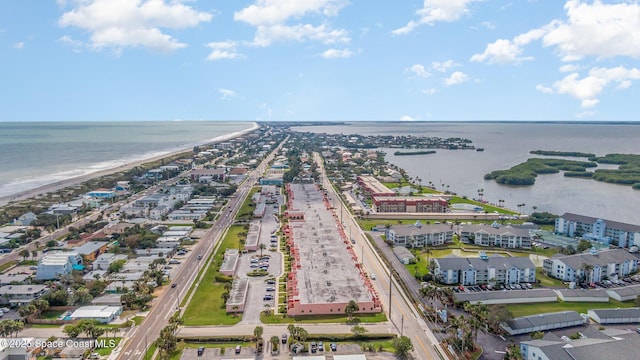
pixel 59 185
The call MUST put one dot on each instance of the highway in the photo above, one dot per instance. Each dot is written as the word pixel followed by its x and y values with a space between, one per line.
pixel 403 316
pixel 141 337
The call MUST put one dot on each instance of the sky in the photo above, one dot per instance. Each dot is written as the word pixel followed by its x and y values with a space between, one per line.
pixel 319 60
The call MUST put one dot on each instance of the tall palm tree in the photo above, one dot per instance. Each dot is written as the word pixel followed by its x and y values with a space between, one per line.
pixel 351 308
pixel 479 315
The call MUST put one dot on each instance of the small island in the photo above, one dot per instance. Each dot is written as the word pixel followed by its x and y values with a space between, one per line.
pixel 423 152
pixel 628 173
pixel 562 153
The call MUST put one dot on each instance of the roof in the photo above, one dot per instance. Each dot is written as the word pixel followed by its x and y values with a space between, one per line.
pixel 403 252
pixel 21 289
pixel 460 263
pixel 90 247
pixel 506 294
pixel 603 258
pixel 593 293
pixel 95 311
pixel 502 230
pixel 412 230
pixel 562 317
pixel 631 290
pixel 57 258
pixel 617 313
pixel 610 224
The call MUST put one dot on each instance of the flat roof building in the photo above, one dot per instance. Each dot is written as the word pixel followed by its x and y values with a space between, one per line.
pixel 103 314
pixel 325 273
pixel 237 296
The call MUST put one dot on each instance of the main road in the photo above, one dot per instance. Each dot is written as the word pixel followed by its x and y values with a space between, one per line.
pixel 167 303
pixel 400 311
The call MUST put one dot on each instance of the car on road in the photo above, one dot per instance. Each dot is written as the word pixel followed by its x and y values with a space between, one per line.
pixel 372 276
pixel 199 257
pixel 174 285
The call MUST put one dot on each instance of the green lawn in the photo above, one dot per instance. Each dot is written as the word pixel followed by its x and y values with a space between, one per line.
pixel 310 319
pixel 207 306
pixel 547 281
pixel 111 343
pixel 246 210
pixel 7 265
pixel 538 308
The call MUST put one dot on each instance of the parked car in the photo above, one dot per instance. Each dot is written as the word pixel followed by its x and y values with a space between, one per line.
pixel 284 338
pixel 267 297
pixel 333 347
pixel 271 288
pixel 320 346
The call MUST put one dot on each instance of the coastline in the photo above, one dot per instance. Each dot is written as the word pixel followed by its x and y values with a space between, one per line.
pixel 59 185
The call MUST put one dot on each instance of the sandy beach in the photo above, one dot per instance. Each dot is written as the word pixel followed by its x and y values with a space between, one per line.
pixel 53 187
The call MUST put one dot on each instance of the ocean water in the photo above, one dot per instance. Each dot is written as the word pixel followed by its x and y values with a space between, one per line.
pixel 33 154
pixel 508 144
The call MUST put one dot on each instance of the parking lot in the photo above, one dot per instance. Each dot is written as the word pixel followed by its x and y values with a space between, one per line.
pixel 262 288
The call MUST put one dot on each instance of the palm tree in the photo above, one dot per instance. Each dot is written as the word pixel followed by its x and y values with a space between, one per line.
pixel 25 254
pixel 479 316
pixel 262 247
pixel 351 308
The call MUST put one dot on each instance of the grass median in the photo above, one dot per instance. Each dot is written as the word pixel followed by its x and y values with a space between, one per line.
pixel 207 306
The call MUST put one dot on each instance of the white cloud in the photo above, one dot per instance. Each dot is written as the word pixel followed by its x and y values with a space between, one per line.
pixel 407 118
pixel 223 50
pixel 544 89
pixel 488 24
pixel 589 29
pixel 119 24
pixel 585 114
pixel 418 70
pixel 266 35
pixel 503 51
pixel 456 78
pixel 436 10
pixel 569 68
pixel 19 45
pixel 227 94
pixel 597 29
pixel 271 17
pixel 443 66
pixel 588 88
pixel 337 53
pixel 429 91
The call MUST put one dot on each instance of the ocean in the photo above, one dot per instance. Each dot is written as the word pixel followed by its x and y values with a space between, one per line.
pixel 507 144
pixel 33 154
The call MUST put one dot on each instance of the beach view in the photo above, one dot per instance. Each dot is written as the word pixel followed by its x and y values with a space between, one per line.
pixel 326 180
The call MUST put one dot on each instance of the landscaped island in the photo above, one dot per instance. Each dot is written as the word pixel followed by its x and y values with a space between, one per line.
pixel 628 173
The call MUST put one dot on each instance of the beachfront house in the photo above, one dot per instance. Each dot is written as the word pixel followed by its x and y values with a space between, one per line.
pixel 25 219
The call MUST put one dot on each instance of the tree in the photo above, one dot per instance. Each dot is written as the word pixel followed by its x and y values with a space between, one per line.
pixel 479 314
pixel 351 308
pixel 358 330
pixel 258 331
pixel 167 341
pixel 262 247
pixel 584 245
pixel 25 254
pixel 402 346
pixel 41 306
pixel 27 310
pixel 72 331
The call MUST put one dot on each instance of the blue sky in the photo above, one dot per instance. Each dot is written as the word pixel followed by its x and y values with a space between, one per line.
pixel 319 60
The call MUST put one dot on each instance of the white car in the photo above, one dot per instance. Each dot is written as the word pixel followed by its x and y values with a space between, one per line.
pixel 372 276
pixel 5 310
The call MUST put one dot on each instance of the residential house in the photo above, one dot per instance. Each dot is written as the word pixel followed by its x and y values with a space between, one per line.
pixel 19 295
pixel 52 265
pixel 101 313
pixel 92 249
pixel 25 219
pixel 103 261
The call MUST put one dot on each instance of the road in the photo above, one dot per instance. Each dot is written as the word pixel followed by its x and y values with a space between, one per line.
pixel 403 316
pixel 141 337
